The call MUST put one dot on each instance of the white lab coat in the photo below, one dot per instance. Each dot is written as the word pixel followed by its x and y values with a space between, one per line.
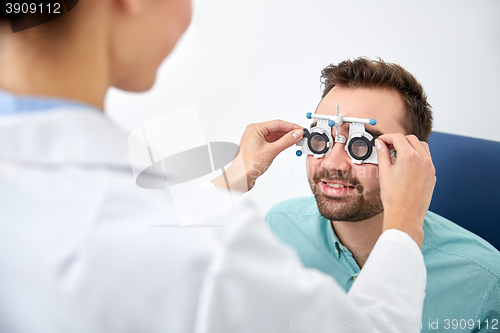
pixel 83 249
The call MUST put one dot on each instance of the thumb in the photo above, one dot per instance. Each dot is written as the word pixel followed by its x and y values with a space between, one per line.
pixel 383 155
pixel 287 140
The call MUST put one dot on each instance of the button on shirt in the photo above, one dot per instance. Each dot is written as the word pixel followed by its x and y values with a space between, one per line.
pixel 463 270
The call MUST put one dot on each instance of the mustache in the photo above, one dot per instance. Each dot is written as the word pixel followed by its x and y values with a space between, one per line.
pixel 336 175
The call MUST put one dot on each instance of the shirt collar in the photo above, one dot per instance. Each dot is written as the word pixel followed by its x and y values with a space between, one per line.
pixel 333 239
pixel 55 132
pixel 13 103
pixel 329 238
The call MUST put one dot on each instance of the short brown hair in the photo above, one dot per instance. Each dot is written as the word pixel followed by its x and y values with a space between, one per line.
pixel 366 73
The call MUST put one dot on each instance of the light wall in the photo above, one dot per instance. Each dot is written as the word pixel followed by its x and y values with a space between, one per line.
pixel 251 61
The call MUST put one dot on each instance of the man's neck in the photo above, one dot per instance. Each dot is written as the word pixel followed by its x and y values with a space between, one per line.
pixel 359 237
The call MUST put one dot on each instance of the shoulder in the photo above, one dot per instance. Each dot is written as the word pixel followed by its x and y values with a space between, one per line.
pixel 463 271
pixel 446 240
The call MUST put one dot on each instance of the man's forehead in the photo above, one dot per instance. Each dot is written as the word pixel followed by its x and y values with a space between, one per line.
pixel 373 130
pixel 385 105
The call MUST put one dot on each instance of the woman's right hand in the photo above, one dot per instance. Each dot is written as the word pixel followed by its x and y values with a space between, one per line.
pixel 259 145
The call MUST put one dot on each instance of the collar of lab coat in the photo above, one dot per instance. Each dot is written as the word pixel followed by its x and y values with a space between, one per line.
pixel 63 136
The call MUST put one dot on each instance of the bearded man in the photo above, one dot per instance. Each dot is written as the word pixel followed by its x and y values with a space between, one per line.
pixel 335 230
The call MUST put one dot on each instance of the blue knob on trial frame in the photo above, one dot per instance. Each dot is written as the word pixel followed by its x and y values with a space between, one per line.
pixel 309 115
pixel 373 121
pixel 331 123
pixel 298 153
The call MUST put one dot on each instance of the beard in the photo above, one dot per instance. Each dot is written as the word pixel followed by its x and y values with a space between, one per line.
pixel 359 206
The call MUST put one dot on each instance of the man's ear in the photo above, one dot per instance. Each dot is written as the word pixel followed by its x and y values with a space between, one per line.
pixel 130 6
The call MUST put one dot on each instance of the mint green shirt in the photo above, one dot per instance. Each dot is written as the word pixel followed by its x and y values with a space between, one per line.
pixel 463 270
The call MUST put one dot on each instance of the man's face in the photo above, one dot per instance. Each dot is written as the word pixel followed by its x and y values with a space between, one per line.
pixel 346 191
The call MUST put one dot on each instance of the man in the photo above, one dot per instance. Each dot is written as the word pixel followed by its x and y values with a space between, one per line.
pixel 335 233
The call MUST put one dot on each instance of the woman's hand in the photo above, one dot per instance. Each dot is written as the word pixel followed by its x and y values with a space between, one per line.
pixel 259 145
pixel 406 185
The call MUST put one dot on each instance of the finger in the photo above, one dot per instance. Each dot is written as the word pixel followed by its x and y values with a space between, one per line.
pixel 416 144
pixel 426 147
pixel 398 141
pixel 383 156
pixel 275 136
pixel 286 141
pixel 278 126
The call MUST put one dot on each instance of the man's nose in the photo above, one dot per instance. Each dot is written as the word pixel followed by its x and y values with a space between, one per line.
pixel 336 159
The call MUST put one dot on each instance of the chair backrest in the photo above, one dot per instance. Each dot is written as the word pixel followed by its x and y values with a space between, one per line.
pixel 467 191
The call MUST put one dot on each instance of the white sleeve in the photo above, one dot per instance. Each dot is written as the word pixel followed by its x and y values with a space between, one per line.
pixel 391 285
pixel 257 284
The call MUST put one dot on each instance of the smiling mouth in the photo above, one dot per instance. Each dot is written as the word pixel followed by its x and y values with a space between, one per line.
pixel 336 189
pixel 335 185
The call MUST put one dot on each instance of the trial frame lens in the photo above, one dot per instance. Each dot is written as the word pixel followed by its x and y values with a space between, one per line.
pixel 360 148
pixel 318 143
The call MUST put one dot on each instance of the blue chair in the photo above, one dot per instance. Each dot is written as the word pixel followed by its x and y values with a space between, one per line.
pixel 467 191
